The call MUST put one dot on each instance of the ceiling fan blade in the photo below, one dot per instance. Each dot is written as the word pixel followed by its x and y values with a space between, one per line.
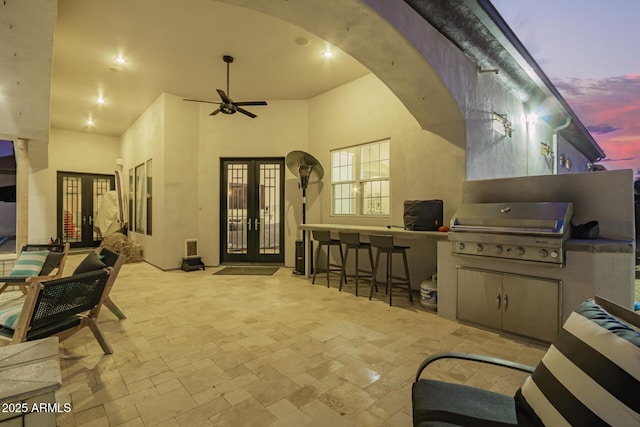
pixel 246 113
pixel 251 103
pixel 223 96
pixel 201 100
pixel 215 112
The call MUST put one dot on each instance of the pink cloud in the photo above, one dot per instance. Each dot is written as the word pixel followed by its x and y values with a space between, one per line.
pixel 610 109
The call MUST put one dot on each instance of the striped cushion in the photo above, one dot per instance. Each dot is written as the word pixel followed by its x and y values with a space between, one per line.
pixel 29 263
pixel 9 316
pixel 589 376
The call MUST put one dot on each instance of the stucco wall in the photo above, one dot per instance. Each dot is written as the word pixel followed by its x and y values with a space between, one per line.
pixel 143 141
pixel 577 159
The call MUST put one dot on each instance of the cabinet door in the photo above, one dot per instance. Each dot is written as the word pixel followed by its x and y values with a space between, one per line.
pixel 531 307
pixel 480 297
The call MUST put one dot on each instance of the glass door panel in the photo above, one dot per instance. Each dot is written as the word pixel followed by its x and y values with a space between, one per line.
pixel 237 180
pixel 72 209
pixel 268 218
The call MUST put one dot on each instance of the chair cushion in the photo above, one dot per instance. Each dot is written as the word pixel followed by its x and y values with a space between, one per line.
pixel 589 375
pixel 441 403
pixel 29 263
pixel 9 316
pixel 52 262
pixel 92 262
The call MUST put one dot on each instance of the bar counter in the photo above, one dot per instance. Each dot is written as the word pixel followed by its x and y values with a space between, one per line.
pixel 366 230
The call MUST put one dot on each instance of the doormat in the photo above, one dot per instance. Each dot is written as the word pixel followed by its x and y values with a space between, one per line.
pixel 247 271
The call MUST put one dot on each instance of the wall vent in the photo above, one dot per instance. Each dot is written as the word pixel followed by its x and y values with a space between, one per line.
pixel 190 248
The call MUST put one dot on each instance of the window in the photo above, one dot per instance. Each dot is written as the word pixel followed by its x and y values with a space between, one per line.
pixel 360 179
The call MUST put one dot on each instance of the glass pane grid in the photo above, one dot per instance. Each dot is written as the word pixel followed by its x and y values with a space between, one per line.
pixel 269 208
pixel 100 186
pixel 237 175
pixel 72 209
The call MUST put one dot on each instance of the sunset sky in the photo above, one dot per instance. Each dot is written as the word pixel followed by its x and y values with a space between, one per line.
pixel 590 49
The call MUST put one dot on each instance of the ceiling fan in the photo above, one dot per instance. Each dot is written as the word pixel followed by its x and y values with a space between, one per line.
pixel 228 105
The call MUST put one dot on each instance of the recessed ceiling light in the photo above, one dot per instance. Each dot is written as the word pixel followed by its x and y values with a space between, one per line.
pixel 120 59
pixel 302 41
pixel 328 53
pixel 100 100
pixel 90 122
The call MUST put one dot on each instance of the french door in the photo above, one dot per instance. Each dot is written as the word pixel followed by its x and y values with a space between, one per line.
pixel 79 196
pixel 251 210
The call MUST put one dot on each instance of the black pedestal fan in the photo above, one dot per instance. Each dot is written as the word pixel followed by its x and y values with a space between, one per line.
pixel 309 171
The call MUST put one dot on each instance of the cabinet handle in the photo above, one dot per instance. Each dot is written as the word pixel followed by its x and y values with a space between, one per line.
pixel 498 300
pixel 506 302
pixel 249 224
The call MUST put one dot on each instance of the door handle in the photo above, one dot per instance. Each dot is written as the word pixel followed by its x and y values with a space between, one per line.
pixel 506 302
pixel 498 301
pixel 256 224
pixel 84 220
pixel 249 224
pixel 90 220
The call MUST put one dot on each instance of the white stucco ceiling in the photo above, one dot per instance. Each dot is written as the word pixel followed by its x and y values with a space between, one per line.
pixel 177 47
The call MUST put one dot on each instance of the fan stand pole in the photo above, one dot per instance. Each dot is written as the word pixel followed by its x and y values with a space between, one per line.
pixel 304 221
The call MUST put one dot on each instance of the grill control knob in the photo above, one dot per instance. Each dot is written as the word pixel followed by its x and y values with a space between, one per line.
pixel 461 246
pixel 479 247
pixel 497 249
pixel 543 253
pixel 520 251
pixel 554 254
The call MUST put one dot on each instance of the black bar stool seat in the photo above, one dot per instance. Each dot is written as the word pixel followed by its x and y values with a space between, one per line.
pixel 324 239
pixel 352 241
pixel 385 245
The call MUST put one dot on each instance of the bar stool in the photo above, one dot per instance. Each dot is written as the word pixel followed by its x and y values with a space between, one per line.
pixel 352 241
pixel 324 239
pixel 384 244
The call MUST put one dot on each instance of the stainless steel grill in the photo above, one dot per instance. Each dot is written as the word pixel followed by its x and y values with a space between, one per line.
pixel 526 232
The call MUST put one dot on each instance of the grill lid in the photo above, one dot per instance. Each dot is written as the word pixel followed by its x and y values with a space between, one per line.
pixel 540 218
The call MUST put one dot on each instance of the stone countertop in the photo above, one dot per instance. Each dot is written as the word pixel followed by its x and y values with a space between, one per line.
pixel 29 369
pixel 600 245
pixel 396 231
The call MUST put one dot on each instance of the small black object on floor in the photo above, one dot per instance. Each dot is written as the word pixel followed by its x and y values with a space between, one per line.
pixel 247 271
pixel 192 263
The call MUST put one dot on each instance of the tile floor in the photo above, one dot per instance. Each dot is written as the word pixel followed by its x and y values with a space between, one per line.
pixel 199 349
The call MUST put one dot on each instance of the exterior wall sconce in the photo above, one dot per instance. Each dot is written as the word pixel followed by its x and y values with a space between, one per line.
pixel 545 150
pixel 501 124
pixel 484 71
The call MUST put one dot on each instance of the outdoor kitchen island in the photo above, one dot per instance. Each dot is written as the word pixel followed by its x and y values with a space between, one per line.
pixel 533 297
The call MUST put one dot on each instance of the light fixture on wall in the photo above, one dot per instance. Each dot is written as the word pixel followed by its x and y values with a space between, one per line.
pixel 501 124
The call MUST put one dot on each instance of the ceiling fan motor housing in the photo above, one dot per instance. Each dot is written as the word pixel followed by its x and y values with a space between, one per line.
pixel 228 108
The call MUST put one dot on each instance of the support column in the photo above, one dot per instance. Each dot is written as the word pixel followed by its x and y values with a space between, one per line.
pixel 21 149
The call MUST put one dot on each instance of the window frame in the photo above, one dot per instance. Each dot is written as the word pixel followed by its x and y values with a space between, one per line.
pixel 357 181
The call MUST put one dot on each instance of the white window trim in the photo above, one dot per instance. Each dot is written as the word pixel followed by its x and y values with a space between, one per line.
pixel 358 182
